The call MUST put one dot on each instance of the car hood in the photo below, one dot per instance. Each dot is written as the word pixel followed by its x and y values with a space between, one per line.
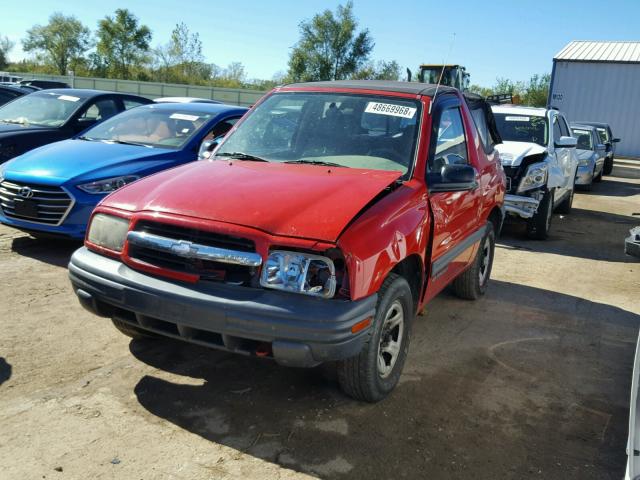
pixel 584 154
pixel 512 153
pixel 62 161
pixel 305 201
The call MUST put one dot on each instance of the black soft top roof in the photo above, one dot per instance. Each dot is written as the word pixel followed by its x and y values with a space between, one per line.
pixel 382 85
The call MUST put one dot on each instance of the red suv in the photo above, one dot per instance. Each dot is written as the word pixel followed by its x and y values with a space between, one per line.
pixel 317 230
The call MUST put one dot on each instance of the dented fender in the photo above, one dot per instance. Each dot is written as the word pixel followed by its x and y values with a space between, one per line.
pixel 401 222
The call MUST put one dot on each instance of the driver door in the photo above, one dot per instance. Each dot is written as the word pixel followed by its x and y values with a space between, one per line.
pixel 455 212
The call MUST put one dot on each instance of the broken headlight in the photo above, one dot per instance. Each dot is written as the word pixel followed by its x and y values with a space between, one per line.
pixel 534 177
pixel 300 273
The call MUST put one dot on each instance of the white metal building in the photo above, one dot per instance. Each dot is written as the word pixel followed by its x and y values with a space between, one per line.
pixel 600 82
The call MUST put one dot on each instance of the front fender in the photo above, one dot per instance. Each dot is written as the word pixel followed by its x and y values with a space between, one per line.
pixel 386 233
pixel 556 177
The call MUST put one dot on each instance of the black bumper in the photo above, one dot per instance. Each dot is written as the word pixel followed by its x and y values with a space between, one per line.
pixel 295 330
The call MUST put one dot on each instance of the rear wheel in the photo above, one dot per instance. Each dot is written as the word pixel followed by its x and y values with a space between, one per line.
pixel 375 371
pixel 608 166
pixel 539 225
pixel 472 283
pixel 129 330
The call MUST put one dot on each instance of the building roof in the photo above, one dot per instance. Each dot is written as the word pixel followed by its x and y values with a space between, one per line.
pixel 586 51
pixel 380 85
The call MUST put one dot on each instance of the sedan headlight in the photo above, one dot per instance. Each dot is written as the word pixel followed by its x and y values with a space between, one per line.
pixel 107 185
pixel 534 177
pixel 108 231
pixel 299 272
pixel 583 162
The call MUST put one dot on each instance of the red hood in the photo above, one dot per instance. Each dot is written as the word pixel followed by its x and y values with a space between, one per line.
pixel 292 200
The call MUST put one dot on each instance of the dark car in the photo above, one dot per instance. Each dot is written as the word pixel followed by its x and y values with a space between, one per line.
pixel 44 84
pixel 48 116
pixel 11 92
pixel 607 139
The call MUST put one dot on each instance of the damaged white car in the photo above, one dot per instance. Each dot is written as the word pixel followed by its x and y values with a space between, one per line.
pixel 539 158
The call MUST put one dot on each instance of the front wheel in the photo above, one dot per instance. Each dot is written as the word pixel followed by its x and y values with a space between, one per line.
pixel 374 372
pixel 472 283
pixel 539 225
pixel 608 166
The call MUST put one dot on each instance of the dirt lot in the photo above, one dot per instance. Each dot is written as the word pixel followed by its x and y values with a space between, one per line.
pixel 530 382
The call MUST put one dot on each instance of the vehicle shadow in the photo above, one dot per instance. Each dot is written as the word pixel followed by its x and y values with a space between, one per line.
pixel 5 370
pixel 53 251
pixel 477 395
pixel 573 235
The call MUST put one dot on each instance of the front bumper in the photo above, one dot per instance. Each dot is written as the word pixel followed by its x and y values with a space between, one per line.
pixel 295 330
pixel 584 174
pixel 521 206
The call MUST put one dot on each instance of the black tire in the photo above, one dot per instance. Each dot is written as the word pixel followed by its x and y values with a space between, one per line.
pixel 608 166
pixel 539 225
pixel 129 330
pixel 567 203
pixel 361 376
pixel 472 283
pixel 599 177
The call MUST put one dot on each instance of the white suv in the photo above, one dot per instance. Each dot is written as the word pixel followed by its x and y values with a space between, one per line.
pixel 539 158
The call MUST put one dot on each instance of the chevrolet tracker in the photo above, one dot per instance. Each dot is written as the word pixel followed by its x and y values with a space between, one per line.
pixel 316 231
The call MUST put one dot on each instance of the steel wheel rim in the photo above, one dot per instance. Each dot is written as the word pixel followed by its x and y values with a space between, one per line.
pixel 390 339
pixel 485 258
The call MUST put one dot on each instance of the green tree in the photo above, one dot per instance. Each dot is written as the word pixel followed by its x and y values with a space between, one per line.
pixel 330 48
pixel 537 90
pixel 123 43
pixel 60 43
pixel 381 70
pixel 181 60
pixel 6 46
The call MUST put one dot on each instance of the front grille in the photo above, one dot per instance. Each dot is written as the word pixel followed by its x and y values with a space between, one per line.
pixel 34 203
pixel 513 178
pixel 205 269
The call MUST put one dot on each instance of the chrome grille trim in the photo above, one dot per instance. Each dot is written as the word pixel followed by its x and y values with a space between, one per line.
pixel 186 249
pixel 53 203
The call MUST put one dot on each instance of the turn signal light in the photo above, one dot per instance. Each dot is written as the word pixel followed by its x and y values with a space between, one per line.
pixel 361 325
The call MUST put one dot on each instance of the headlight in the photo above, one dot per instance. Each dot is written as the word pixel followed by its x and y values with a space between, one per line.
pixel 299 272
pixel 583 162
pixel 506 157
pixel 534 177
pixel 107 185
pixel 108 231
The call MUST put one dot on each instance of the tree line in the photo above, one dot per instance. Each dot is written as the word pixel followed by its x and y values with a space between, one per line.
pixel 331 46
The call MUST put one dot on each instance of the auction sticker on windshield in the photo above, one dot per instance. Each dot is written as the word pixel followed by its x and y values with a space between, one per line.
pixel 390 109
pixel 68 98
pixel 517 119
pixel 184 116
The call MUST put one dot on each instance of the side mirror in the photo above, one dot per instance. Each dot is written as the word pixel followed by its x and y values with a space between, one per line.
pixel 453 178
pixel 82 124
pixel 615 140
pixel 207 147
pixel 566 142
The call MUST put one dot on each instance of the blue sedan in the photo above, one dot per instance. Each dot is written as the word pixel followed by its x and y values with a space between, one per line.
pixel 53 189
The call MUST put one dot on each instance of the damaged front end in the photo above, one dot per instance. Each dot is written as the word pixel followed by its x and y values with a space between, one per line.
pixel 526 185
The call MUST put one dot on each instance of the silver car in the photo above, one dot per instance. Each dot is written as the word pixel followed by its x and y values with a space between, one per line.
pixel 591 155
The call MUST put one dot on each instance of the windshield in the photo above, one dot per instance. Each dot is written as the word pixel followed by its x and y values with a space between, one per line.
pixel 359 131
pixel 150 127
pixel 583 138
pixel 41 109
pixel 522 128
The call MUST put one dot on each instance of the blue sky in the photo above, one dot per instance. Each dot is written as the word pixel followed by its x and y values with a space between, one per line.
pixel 512 39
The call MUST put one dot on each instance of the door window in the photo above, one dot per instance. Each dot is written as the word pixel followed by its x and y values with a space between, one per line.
pixel 100 110
pixel 451 144
pixel 221 128
pixel 564 129
pixel 557 133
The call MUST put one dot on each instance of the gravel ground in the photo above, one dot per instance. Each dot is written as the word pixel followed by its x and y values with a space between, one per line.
pixel 532 381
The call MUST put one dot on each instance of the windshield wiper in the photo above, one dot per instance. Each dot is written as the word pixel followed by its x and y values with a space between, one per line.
pixel 17 122
pixel 241 156
pixel 317 162
pixel 123 142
